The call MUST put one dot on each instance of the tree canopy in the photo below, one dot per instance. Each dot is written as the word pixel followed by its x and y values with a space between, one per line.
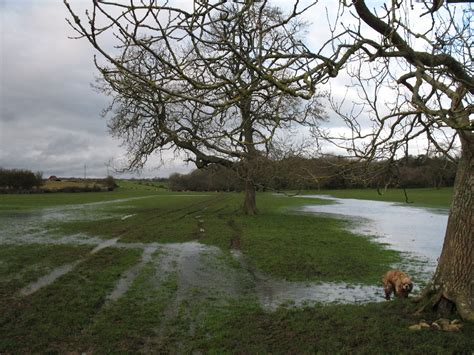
pixel 188 81
pixel 414 77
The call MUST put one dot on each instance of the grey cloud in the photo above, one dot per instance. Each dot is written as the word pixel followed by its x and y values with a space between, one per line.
pixel 50 116
pixel 69 142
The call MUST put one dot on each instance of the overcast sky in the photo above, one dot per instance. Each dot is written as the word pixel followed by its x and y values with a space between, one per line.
pixel 50 116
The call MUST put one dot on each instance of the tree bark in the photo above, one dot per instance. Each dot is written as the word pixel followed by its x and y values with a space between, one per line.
pixel 453 281
pixel 250 201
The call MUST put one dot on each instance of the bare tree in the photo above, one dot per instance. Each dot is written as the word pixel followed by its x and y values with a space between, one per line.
pixel 412 78
pixel 185 80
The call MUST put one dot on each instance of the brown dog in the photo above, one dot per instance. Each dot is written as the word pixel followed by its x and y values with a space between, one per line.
pixel 398 282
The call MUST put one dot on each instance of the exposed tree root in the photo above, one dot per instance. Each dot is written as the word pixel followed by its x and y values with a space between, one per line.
pixel 433 299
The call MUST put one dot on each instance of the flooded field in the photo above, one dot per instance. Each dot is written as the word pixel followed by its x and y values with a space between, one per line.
pixel 190 274
pixel 413 230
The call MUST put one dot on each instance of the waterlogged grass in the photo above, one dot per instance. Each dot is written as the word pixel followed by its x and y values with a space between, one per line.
pixel 53 318
pixel 73 314
pixel 307 248
pixel 21 265
pixel 130 323
pixel 300 247
pixel 162 218
pixel 277 241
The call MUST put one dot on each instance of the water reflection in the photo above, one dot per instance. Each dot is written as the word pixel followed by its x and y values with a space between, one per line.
pixel 273 293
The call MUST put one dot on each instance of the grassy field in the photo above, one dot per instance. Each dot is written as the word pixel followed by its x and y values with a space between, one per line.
pixel 127 189
pixel 207 304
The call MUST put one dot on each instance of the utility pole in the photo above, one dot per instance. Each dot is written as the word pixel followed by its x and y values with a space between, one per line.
pixel 85 170
pixel 108 164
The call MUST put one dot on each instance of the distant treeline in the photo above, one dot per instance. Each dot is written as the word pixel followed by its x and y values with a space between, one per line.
pixel 26 181
pixel 19 179
pixel 297 173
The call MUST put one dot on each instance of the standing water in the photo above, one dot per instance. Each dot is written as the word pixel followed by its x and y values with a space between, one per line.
pixel 418 232
pixel 414 230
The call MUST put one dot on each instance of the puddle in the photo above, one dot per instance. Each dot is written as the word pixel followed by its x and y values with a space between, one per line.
pixel 405 228
pixel 201 270
pixel 127 279
pixel 127 216
pixel 104 244
pixel 49 278
pixel 274 293
pixel 31 226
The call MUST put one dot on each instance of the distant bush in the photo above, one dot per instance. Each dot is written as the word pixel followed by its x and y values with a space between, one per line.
pixel 109 183
pixel 329 172
pixel 213 178
pixel 19 179
pixel 94 188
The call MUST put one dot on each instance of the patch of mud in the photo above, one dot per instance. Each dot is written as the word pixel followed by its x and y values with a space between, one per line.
pixel 235 239
pixel 274 293
pixel 202 271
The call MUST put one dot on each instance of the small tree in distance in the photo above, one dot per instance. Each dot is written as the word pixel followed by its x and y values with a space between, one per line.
pixel 20 179
pixel 110 183
pixel 184 80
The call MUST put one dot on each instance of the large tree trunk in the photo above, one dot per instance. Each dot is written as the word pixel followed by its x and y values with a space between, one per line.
pixel 250 201
pixel 452 286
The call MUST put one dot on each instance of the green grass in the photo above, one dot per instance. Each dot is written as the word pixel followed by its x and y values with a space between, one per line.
pixel 306 247
pixel 73 313
pixel 54 318
pixel 20 265
pixel 377 328
pixel 136 316
pixel 127 189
